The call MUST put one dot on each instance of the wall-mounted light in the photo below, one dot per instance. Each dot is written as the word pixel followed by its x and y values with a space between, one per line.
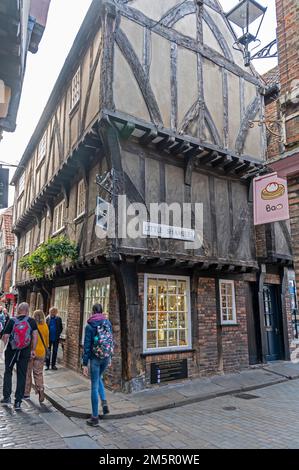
pixel 248 16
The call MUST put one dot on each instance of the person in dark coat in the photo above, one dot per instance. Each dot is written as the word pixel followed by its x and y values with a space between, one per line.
pixel 97 366
pixel 54 323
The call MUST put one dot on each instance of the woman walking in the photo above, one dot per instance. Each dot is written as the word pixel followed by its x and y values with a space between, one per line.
pixel 98 349
pixel 36 364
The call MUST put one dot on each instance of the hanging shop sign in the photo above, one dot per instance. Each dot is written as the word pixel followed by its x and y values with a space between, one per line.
pixel 270 199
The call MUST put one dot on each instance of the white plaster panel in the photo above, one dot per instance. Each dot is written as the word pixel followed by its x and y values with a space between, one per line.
pixel 209 39
pixel 127 95
pixel 154 9
pixel 134 33
pixel 249 93
pixel 187 26
pixel 253 142
pixel 213 93
pixel 234 120
pixel 187 81
pixel 160 76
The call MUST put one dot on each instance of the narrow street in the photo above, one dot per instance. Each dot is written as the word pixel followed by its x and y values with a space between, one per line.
pixel 262 419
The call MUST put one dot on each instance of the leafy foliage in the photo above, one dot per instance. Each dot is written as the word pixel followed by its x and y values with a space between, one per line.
pixel 49 254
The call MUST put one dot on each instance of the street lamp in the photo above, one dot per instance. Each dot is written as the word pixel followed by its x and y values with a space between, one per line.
pixel 248 15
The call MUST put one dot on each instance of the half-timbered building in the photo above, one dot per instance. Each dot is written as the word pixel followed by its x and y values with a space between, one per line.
pixel 154 96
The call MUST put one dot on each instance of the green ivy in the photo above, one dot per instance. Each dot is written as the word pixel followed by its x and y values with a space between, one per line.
pixel 49 254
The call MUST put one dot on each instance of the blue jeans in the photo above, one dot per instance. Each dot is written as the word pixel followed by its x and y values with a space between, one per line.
pixel 97 369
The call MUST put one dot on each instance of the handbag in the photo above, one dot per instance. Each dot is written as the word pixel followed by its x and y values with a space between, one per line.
pixel 46 349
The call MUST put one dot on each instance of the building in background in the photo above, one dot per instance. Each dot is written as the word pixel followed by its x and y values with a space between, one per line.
pixel 7 250
pixel 154 102
pixel 22 23
pixel 282 107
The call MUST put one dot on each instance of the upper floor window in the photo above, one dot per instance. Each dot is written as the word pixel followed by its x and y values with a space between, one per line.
pixel 227 302
pixel 42 231
pixel 27 243
pixel 76 88
pixel 58 218
pixel 81 198
pixel 42 149
pixel 21 184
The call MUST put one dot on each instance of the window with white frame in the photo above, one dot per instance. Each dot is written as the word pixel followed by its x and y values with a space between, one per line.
pixel 76 88
pixel 227 302
pixel 58 217
pixel 97 291
pixel 42 231
pixel 61 302
pixel 21 184
pixel 27 243
pixel 42 149
pixel 81 198
pixel 167 315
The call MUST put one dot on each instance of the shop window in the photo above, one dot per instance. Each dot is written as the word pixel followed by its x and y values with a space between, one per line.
pixel 227 302
pixel 81 199
pixel 167 322
pixel 61 302
pixel 97 291
pixel 58 218
pixel 76 89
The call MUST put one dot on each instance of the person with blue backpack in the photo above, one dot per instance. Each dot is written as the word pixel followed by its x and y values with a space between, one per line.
pixel 98 351
pixel 20 339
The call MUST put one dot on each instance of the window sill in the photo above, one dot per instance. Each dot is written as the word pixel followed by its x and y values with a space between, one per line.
pixel 163 353
pixel 74 109
pixel 79 218
pixel 230 324
pixel 58 232
pixel 40 162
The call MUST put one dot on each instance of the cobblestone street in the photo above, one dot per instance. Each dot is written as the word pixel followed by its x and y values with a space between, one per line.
pixel 265 418
pixel 268 421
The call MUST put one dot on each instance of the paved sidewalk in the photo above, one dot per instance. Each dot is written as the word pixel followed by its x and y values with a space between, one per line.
pixel 69 391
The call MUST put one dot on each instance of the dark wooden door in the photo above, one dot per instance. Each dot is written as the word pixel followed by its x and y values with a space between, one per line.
pixel 273 323
pixel 253 325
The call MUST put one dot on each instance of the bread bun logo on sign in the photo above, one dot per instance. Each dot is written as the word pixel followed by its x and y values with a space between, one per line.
pixel 270 197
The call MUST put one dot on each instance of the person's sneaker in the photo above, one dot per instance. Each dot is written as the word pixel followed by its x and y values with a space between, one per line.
pixel 41 395
pixel 17 405
pixel 54 368
pixel 26 397
pixel 5 401
pixel 106 410
pixel 93 422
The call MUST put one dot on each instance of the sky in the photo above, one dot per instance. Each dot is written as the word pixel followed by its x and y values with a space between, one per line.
pixel 43 68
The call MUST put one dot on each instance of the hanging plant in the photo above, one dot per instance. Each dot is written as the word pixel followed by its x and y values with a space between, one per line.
pixel 48 255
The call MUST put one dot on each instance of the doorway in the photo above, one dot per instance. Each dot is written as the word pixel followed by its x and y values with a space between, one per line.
pixel 273 323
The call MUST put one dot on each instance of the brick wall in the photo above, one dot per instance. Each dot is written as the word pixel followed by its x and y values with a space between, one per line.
pixel 272 113
pixel 234 338
pixel 207 326
pixel 71 354
pixel 288 41
pixel 293 192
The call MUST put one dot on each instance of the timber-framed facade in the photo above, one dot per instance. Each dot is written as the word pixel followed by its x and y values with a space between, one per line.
pixel 154 91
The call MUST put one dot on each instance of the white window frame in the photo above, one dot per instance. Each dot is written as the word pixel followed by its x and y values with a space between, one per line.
pixel 234 320
pixel 42 231
pixel 81 193
pixel 63 313
pixel 76 89
pixel 42 149
pixel 189 319
pixel 56 222
pixel 27 242
pixel 21 185
pixel 87 311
